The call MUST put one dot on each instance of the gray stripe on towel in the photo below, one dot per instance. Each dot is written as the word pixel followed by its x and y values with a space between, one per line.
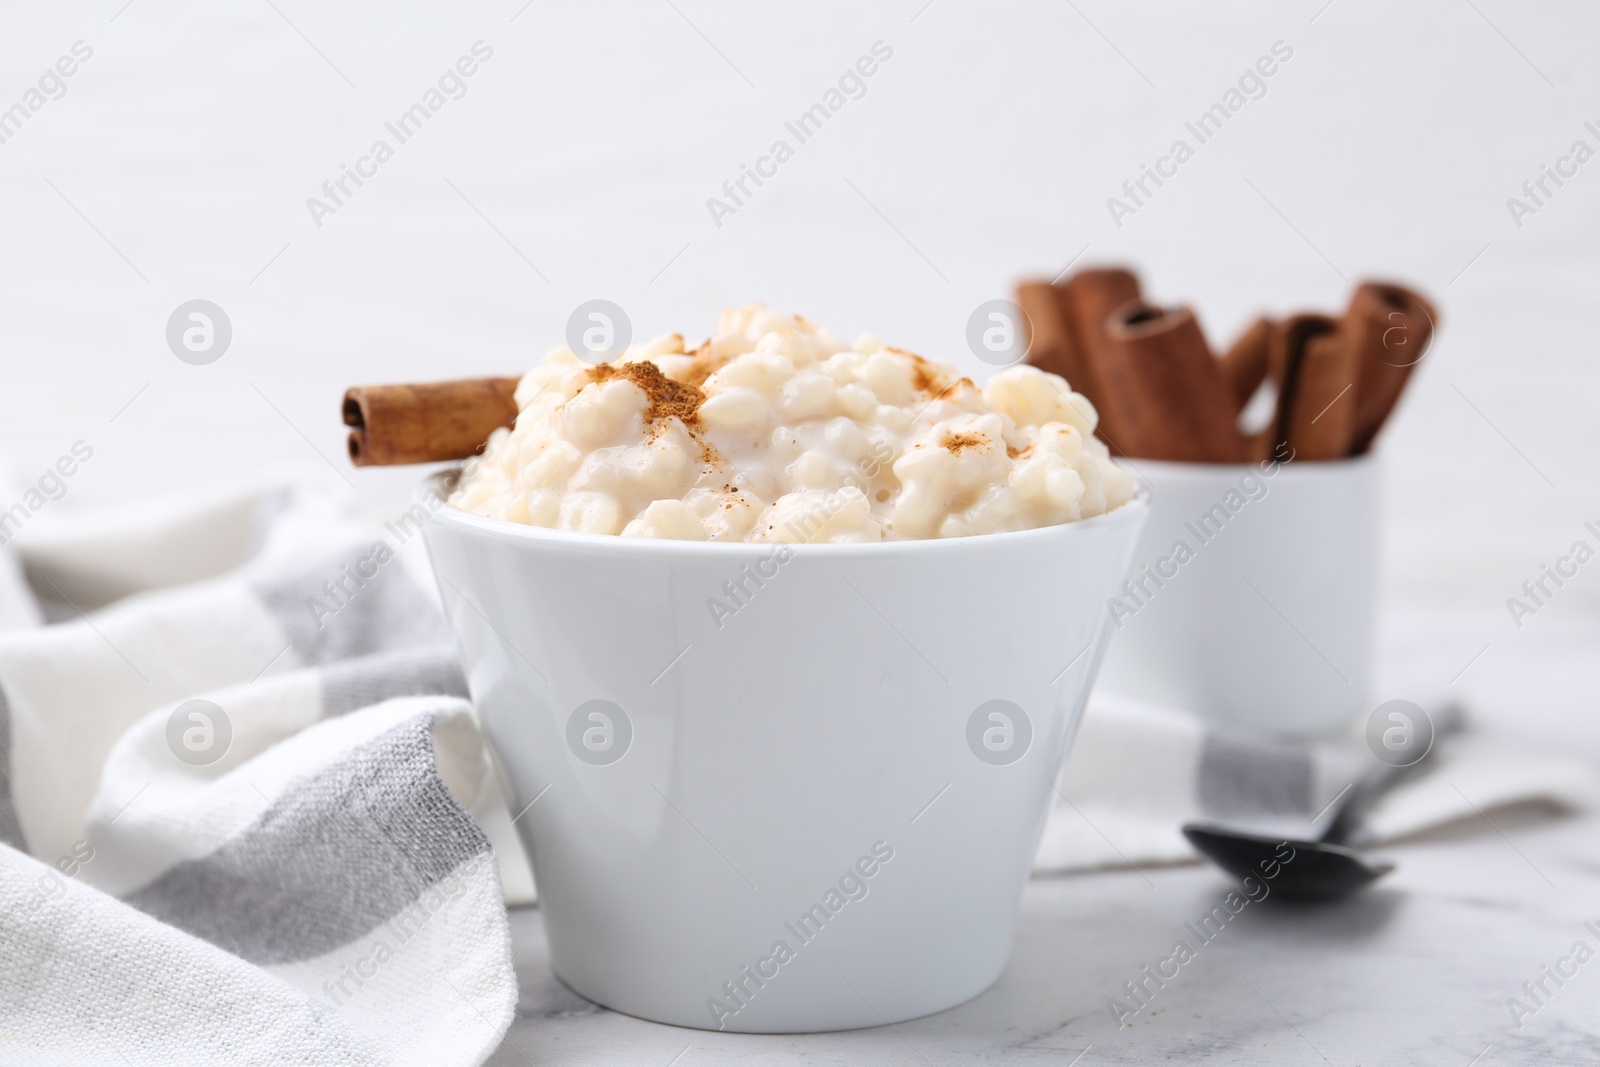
pixel 357 616
pixel 368 680
pixel 335 856
pixel 1243 776
pixel 10 829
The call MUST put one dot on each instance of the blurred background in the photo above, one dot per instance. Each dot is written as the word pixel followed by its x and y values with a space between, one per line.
pixel 176 162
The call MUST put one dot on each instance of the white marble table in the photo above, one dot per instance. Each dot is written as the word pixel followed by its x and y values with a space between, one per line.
pixel 1416 970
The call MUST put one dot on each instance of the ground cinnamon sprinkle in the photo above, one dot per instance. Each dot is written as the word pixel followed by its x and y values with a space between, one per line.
pixel 924 378
pixel 668 399
pixel 960 442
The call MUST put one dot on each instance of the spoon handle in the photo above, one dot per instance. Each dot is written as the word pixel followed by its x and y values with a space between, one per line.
pixel 1345 827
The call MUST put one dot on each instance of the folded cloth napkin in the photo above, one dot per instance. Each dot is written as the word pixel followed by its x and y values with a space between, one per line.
pixel 1137 772
pixel 246 815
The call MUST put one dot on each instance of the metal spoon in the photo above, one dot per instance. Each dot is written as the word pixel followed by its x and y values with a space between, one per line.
pixel 1323 868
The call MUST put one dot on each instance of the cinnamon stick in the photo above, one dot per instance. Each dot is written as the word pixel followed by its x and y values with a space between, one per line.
pixel 428 422
pixel 1050 344
pixel 1320 408
pixel 1176 401
pixel 1244 366
pixel 1088 299
pixel 1286 350
pixel 1392 327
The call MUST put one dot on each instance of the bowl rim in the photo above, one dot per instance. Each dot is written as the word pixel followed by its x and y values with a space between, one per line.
pixel 430 489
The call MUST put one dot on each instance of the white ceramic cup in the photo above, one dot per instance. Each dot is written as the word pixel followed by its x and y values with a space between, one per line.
pixel 1264 617
pixel 852 756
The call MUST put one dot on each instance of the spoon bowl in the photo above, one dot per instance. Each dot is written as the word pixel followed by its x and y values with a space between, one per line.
pixel 1318 871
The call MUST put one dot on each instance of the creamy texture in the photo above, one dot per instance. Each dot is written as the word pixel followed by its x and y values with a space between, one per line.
pixel 775 430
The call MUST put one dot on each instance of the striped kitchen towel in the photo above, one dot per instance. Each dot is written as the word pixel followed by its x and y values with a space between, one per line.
pixel 245 812
pixel 1137 772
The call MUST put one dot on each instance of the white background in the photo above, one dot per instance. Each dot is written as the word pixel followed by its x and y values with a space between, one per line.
pixel 179 163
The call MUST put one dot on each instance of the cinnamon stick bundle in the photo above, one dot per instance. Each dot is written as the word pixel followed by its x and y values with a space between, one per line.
pixel 1161 394
pixel 428 422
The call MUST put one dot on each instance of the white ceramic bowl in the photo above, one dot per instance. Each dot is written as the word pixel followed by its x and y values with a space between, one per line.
pixel 818 763
pixel 1268 624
